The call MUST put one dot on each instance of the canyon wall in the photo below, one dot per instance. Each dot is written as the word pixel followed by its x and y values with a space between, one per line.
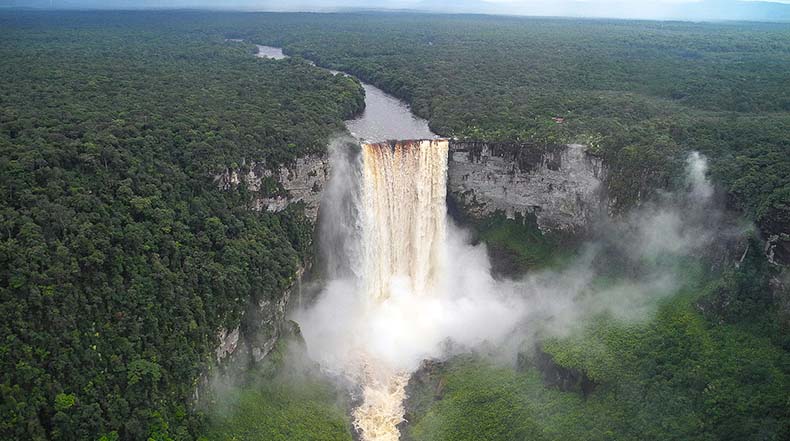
pixel 262 326
pixel 275 188
pixel 561 185
pixel 250 341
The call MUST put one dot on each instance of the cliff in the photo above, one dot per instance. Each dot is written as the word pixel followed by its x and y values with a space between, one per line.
pixel 561 185
pixel 261 327
pixel 275 188
pixel 250 341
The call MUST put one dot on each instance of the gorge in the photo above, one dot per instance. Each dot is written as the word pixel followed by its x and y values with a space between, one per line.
pixel 402 283
pixel 397 236
pixel 561 185
pixel 390 300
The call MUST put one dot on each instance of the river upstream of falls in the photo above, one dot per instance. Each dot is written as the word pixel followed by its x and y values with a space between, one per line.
pixel 385 117
pixel 388 304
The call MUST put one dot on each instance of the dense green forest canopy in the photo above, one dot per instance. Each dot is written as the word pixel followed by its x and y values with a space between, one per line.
pixel 699 369
pixel 120 257
pixel 640 93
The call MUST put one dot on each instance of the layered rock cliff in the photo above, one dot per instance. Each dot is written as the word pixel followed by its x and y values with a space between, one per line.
pixel 262 326
pixel 278 187
pixel 274 189
pixel 561 185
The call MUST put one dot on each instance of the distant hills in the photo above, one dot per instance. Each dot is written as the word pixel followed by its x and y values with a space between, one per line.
pixel 705 10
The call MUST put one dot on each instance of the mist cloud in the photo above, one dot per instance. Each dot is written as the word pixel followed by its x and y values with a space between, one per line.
pixel 472 308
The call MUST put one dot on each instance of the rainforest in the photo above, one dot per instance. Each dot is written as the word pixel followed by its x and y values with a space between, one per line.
pixel 391 225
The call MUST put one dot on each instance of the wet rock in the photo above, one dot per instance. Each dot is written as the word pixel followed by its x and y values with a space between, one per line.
pixel 426 386
pixel 228 343
pixel 561 185
pixel 777 248
pixel 278 187
pixel 554 375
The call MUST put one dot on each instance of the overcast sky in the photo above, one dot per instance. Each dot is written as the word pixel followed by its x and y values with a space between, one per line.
pixel 659 9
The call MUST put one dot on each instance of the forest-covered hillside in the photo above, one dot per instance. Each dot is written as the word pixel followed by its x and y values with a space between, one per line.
pixel 120 257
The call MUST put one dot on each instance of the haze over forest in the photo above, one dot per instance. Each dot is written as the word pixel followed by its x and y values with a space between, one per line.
pixel 695 10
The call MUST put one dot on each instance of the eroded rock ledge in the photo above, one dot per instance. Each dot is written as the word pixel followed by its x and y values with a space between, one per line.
pixel 561 185
pixel 277 187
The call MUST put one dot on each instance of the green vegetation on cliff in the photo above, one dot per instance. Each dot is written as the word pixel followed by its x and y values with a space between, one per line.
pixel 688 373
pixel 285 398
pixel 120 256
pixel 280 410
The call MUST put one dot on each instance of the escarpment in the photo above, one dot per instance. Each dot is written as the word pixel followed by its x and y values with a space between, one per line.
pixel 561 185
pixel 275 188
pixel 263 324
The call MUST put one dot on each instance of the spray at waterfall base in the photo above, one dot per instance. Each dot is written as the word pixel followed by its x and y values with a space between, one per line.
pixel 402 281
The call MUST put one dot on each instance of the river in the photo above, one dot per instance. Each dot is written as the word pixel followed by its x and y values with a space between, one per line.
pixel 385 117
pixel 402 214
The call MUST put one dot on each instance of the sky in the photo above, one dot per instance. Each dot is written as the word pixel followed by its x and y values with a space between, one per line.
pixel 770 10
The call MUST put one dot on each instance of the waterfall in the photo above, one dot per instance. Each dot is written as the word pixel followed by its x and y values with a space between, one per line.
pixel 383 237
pixel 403 213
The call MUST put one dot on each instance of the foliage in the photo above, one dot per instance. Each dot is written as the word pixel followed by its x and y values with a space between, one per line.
pixel 640 93
pixel 517 245
pixel 288 403
pixel 285 397
pixel 281 411
pixel 675 377
pixel 121 258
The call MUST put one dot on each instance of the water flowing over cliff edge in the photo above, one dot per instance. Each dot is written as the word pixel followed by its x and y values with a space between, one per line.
pixel 561 187
pixel 404 281
pixel 395 255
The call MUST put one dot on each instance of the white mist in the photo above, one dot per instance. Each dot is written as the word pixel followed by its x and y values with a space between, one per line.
pixel 403 282
pixel 376 325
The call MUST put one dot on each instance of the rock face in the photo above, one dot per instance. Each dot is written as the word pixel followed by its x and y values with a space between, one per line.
pixel 425 387
pixel 260 328
pixel 262 325
pixel 276 188
pixel 777 248
pixel 554 375
pixel 228 343
pixel 562 186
